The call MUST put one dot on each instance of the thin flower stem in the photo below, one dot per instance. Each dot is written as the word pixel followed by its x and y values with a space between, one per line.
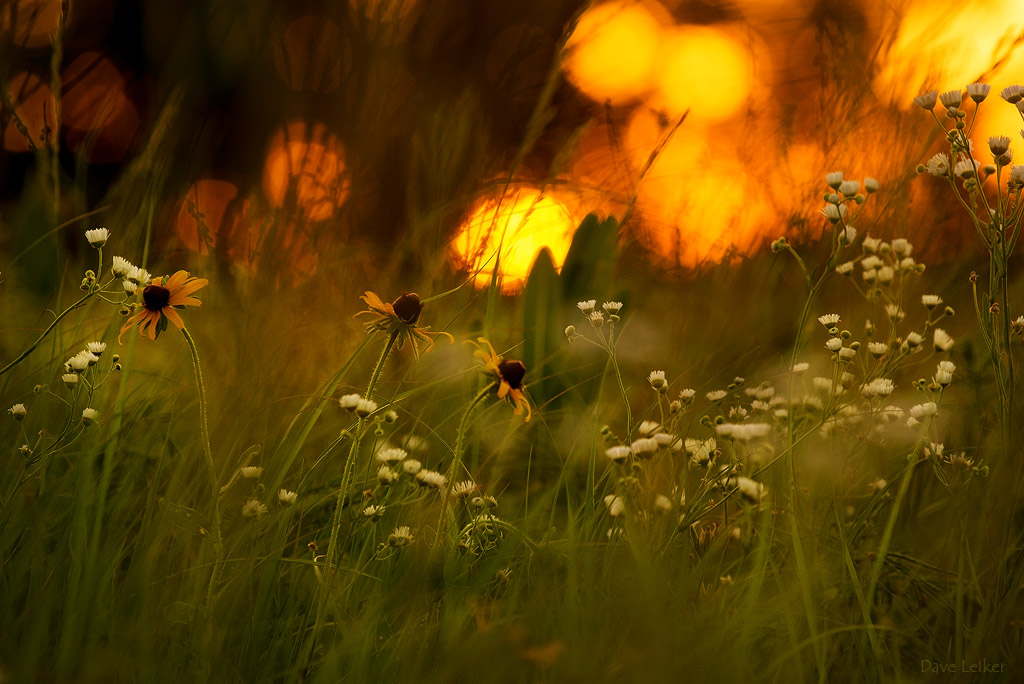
pixel 353 452
pixel 622 389
pixel 24 355
pixel 218 540
pixel 460 445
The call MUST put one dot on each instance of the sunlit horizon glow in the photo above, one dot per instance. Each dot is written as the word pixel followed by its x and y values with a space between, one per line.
pixel 522 222
pixel 613 52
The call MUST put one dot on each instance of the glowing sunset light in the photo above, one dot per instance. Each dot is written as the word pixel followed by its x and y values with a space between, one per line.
pixel 97 116
pixel 612 54
pixel 944 44
pixel 305 171
pixel 522 224
pixel 704 70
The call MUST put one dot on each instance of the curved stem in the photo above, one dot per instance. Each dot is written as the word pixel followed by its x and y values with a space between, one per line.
pixel 46 332
pixel 460 445
pixel 218 541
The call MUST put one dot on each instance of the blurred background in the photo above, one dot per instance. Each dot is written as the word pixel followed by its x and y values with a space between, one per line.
pixel 300 153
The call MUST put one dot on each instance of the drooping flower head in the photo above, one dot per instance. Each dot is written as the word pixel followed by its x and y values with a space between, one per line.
pixel 507 373
pixel 399 317
pixel 160 300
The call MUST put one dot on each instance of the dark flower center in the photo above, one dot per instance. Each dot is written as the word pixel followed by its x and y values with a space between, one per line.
pixel 155 297
pixel 408 308
pixel 512 372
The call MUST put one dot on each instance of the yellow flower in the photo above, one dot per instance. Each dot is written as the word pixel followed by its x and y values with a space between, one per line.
pixel 399 317
pixel 507 373
pixel 159 301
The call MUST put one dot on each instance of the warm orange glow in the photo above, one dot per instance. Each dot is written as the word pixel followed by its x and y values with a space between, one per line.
pixel 521 222
pixel 34 21
pixel 704 70
pixel 305 171
pixel 97 117
pixel 697 201
pixel 945 44
pixel 211 218
pixel 33 103
pixel 384 10
pixel 612 54
pixel 309 55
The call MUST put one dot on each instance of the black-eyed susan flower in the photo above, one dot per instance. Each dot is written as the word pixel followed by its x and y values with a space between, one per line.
pixel 399 318
pixel 159 301
pixel 507 373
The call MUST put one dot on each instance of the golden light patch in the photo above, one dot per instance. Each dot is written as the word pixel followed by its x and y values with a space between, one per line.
pixel 612 53
pixel 510 230
pixel 944 45
pixel 704 70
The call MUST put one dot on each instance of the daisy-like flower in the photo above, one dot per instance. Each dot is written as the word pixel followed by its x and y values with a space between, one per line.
pixel 942 340
pixel 716 395
pixel 998 144
pixel 615 504
pixel 834 212
pixel 924 410
pixel 463 489
pixel 845 268
pixel 139 276
pixel 253 508
pixel 944 373
pixel 431 478
pixel 90 416
pixel 879 387
pixel 96 348
pixel 801 367
pixel 349 401
pixel 834 344
pixel 978 91
pixel 286 496
pixel 399 318
pixel 160 301
pixel 930 301
pixel 618 453
pixel 657 380
pixel 849 187
pixel 402 536
pixel 927 100
pixel 648 427
pixel 870 184
pixel 964 169
pixel 645 447
pixel 392 455
pixel 507 373
pixel 121 267
pixel 829 320
pixel 250 472
pixel 386 476
pixel 587 306
pixel 744 432
pixel 834 179
pixel 1016 175
pixel 411 466
pixel 97 237
pixel 18 411
pixel 878 349
pixel 612 307
pixel 1012 94
pixel 938 165
pixel 751 490
pixel 373 512
pixel 80 362
pixel 951 99
pixel 69 379
pixel 365 407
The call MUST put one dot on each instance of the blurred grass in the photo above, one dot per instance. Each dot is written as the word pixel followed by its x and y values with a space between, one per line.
pixel 106 551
